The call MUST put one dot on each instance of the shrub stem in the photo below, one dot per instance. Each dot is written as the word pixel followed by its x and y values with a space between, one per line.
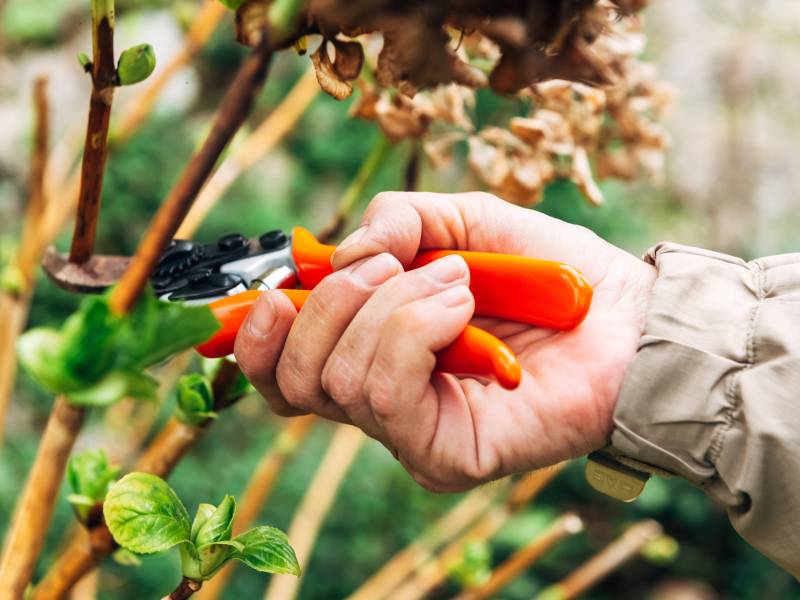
pixel 35 505
pixel 95 149
pixel 186 588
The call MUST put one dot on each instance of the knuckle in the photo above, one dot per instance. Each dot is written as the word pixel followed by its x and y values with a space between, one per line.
pixel 294 386
pixel 339 381
pixel 380 392
pixel 410 320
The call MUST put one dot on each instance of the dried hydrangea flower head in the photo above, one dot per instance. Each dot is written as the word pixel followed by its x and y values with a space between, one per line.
pixel 592 99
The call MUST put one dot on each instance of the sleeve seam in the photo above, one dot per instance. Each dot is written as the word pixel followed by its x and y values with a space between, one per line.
pixel 733 388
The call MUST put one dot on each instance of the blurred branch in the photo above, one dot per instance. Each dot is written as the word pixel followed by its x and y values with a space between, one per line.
pixel 34 507
pixel 563 527
pixel 14 302
pixel 419 551
pixel 435 572
pixel 95 148
pixel 258 488
pixel 610 558
pixel 265 137
pixel 316 503
pixel 89 547
pixel 233 111
pixel 355 190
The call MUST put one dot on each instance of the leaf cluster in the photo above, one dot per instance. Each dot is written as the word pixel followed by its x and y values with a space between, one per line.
pixel 89 475
pixel 98 357
pixel 145 515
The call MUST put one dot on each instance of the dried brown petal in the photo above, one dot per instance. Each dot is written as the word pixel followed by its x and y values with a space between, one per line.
pixel 328 79
pixel 582 176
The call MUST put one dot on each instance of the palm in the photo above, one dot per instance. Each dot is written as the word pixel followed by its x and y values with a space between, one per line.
pixel 564 405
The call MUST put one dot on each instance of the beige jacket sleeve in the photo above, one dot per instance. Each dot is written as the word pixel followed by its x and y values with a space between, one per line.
pixel 713 393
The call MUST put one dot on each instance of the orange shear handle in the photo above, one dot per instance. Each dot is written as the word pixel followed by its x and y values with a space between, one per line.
pixel 474 352
pixel 516 288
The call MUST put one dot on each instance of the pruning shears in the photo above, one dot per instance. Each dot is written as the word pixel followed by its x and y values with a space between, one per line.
pixel 230 275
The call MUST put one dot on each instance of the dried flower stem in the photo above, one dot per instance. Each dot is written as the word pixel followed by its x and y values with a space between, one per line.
pixel 14 304
pixel 315 505
pixel 34 508
pixel 265 137
pixel 435 572
pixel 563 527
pixel 258 488
pixel 89 547
pixel 231 115
pixel 421 550
pixel 186 588
pixel 95 149
pixel 355 190
pixel 609 559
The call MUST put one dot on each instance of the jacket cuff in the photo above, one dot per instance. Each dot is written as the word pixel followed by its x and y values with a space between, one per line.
pixel 677 401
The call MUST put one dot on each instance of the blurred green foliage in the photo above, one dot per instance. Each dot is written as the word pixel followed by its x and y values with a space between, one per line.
pixel 379 509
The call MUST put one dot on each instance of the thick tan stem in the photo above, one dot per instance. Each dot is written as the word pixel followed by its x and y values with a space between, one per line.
pixel 608 560
pixel 86 588
pixel 315 505
pixel 265 137
pixel 14 305
pixel 421 550
pixel 435 572
pixel 563 527
pixel 95 149
pixel 259 487
pixel 232 113
pixel 35 505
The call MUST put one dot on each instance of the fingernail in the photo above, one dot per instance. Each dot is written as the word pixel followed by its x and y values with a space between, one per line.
pixel 454 296
pixel 377 269
pixel 447 269
pixel 353 238
pixel 262 317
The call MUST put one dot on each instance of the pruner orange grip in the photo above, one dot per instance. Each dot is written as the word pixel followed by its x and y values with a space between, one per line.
pixel 474 352
pixel 516 288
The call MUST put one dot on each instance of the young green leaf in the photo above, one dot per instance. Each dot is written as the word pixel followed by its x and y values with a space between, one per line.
pixel 84 61
pixel 144 515
pixel 204 511
pixel 217 526
pixel 136 64
pixel 97 357
pixel 89 476
pixel 267 549
pixel 160 329
pixel 195 399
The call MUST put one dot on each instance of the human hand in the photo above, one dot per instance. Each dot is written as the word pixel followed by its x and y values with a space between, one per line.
pixel 362 349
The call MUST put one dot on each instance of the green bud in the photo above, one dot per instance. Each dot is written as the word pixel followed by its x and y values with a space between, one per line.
pixel 12 280
pixel 136 64
pixel 662 550
pixel 195 399
pixel 84 61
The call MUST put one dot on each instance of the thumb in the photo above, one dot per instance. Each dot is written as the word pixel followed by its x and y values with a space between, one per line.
pixel 402 223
